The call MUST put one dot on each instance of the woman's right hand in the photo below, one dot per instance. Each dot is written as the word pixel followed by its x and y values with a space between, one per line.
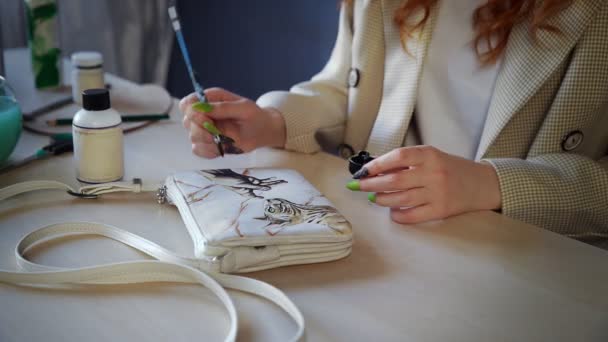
pixel 236 117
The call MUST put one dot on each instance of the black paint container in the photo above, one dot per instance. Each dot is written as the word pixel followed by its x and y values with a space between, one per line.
pixel 356 162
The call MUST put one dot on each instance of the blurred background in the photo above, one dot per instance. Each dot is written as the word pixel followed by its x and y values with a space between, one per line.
pixel 249 47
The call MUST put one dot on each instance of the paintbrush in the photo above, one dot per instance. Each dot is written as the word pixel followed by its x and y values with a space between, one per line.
pixel 223 143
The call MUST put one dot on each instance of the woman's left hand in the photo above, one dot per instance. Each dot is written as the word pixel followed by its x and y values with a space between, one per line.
pixel 422 183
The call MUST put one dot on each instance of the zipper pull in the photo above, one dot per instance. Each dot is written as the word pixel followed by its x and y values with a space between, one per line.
pixel 161 195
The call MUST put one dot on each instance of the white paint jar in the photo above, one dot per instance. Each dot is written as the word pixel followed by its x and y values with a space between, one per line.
pixel 87 73
pixel 98 139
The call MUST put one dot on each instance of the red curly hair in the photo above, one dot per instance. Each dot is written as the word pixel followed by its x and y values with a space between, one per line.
pixel 492 21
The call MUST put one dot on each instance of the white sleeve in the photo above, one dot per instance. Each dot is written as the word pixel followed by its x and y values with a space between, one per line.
pixel 322 101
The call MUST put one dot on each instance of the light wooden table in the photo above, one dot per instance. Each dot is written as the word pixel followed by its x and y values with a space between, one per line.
pixel 476 277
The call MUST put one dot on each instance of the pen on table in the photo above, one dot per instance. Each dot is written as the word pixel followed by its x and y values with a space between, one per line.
pixel 58 103
pixel 59 144
pixel 125 118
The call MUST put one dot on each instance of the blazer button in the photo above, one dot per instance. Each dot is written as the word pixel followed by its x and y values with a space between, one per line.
pixel 353 77
pixel 572 140
pixel 345 151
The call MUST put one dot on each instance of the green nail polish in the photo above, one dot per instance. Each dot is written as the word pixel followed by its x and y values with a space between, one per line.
pixel 372 197
pixel 353 185
pixel 204 107
pixel 211 128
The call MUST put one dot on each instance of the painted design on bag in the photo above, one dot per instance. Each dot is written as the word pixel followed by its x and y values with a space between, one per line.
pixel 282 213
pixel 243 184
pixel 193 197
pixel 233 203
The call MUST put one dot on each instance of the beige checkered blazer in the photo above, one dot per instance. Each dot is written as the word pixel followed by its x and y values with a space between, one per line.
pixel 546 132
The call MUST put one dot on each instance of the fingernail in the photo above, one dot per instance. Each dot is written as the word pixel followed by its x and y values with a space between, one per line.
pixel 372 197
pixel 353 185
pixel 203 107
pixel 363 172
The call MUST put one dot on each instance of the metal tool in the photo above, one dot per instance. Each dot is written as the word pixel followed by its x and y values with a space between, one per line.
pixel 223 143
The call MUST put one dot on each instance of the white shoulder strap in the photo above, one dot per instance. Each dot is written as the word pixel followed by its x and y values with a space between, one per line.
pixel 87 191
pixel 168 267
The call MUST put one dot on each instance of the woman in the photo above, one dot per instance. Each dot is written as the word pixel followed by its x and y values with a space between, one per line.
pixel 510 99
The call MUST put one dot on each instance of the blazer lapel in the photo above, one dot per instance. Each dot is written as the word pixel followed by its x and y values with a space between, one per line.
pixel 401 76
pixel 528 64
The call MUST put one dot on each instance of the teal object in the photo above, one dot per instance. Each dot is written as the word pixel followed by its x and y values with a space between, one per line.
pixel 10 121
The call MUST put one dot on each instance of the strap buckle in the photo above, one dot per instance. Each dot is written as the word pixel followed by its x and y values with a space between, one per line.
pixel 82 195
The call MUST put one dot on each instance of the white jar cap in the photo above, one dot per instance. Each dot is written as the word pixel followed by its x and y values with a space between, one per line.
pixel 87 59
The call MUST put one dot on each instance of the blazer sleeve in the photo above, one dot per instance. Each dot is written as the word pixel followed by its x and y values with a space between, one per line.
pixel 322 101
pixel 568 192
pixel 562 192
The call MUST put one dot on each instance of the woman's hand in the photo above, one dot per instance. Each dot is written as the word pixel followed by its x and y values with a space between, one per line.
pixel 422 183
pixel 236 117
